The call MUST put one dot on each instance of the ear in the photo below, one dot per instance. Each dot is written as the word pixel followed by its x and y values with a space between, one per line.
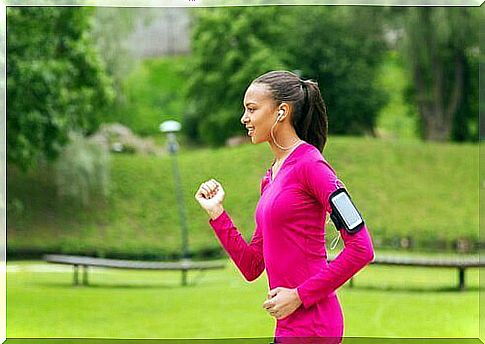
pixel 285 109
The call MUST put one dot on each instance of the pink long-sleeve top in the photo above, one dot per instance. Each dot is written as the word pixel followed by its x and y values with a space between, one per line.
pixel 289 242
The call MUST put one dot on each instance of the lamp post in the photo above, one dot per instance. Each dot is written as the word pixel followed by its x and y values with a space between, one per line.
pixel 170 128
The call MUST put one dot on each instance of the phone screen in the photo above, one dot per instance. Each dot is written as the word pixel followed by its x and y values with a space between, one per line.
pixel 345 207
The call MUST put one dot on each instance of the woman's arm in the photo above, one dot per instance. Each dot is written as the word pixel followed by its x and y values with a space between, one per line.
pixel 247 257
pixel 320 180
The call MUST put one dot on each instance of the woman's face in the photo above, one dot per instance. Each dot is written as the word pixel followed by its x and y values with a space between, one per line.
pixel 259 112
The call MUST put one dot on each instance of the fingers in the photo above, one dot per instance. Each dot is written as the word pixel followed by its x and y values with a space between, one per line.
pixel 273 292
pixel 274 305
pixel 268 304
pixel 213 187
pixel 217 183
pixel 208 188
pixel 271 302
pixel 202 192
pixel 274 314
pixel 272 309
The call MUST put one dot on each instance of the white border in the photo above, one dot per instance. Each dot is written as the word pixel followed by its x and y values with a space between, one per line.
pixel 3 176
pixel 218 3
pixel 146 3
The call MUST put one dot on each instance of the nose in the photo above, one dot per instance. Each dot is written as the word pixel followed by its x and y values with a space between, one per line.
pixel 244 118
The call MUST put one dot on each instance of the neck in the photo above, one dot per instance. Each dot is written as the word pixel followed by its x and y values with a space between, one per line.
pixel 291 141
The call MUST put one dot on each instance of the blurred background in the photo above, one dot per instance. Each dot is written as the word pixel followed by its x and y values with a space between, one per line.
pixel 88 172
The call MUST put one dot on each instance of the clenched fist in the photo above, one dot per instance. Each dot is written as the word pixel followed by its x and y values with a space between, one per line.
pixel 210 197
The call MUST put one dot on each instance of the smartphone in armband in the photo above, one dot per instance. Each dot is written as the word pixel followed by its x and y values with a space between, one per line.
pixel 344 213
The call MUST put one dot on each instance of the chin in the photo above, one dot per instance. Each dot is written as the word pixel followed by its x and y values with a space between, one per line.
pixel 254 140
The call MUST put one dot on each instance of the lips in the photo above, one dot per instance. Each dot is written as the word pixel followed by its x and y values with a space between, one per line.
pixel 250 130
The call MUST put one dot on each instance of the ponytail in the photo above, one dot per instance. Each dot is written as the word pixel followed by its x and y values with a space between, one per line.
pixel 311 124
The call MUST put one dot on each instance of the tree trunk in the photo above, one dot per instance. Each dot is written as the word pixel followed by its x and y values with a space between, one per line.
pixel 438 94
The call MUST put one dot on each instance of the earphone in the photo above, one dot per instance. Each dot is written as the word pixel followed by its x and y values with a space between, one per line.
pixel 280 113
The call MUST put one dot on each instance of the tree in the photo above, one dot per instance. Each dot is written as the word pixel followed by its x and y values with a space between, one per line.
pixel 441 46
pixel 56 82
pixel 230 48
pixel 341 48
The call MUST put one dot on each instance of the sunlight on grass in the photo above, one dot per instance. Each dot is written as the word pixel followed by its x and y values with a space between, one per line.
pixel 404 302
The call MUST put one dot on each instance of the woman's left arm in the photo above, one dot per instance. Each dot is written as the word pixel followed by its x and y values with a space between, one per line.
pixel 321 181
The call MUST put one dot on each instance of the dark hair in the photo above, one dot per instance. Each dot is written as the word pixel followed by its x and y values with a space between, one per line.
pixel 309 116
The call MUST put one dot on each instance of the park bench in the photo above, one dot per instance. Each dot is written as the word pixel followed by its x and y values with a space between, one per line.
pixel 85 262
pixel 461 263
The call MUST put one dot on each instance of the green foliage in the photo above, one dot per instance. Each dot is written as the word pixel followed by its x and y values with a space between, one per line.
pixel 466 120
pixel 398 118
pixel 82 170
pixel 341 48
pixel 56 82
pixel 441 50
pixel 152 94
pixel 231 47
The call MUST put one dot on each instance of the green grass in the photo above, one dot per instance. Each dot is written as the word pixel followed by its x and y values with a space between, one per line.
pixel 385 302
pixel 425 190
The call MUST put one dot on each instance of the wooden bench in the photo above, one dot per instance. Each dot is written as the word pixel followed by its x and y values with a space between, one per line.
pixel 85 262
pixel 461 263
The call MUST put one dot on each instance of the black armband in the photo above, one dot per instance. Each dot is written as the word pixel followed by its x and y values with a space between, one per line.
pixel 344 213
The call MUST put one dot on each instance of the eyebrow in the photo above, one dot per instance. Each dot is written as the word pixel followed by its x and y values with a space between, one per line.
pixel 250 103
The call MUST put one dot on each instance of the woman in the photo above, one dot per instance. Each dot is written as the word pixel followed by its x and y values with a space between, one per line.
pixel 289 113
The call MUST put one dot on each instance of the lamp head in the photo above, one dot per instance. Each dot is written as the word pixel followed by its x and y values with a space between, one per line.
pixel 170 126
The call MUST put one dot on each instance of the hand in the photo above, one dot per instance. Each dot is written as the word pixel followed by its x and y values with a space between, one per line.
pixel 281 302
pixel 210 197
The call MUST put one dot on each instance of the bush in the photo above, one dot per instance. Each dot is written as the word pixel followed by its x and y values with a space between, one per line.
pixel 82 170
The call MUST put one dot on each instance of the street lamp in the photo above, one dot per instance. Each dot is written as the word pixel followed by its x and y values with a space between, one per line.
pixel 171 127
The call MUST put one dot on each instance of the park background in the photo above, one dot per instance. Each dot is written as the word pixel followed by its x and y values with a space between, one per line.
pixel 88 172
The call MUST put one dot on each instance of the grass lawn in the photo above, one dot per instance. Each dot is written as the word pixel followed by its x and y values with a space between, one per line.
pixel 385 302
pixel 425 190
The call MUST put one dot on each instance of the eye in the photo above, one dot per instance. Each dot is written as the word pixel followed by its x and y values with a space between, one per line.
pixel 250 109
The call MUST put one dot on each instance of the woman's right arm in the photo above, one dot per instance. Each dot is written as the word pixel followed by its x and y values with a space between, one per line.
pixel 247 257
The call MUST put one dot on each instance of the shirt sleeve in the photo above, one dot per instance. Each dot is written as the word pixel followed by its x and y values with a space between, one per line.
pixel 320 180
pixel 247 257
